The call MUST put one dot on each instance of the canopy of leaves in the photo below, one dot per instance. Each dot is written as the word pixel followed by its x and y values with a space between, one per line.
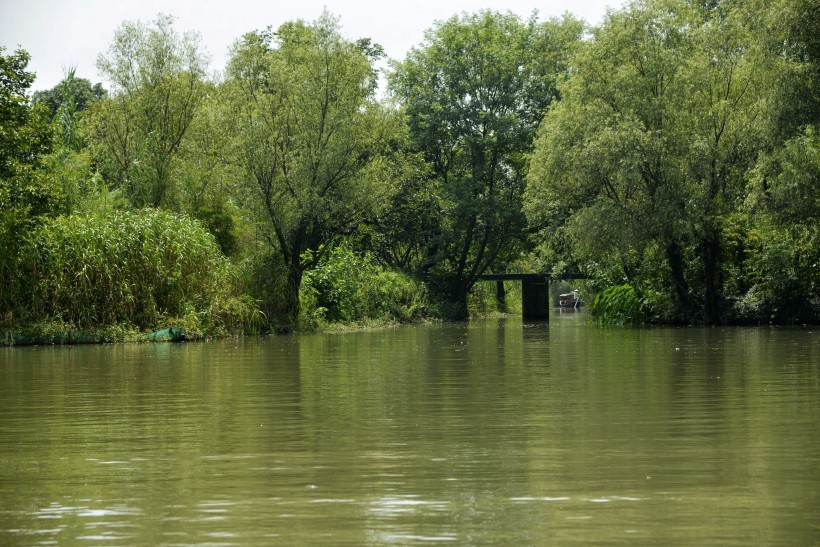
pixel 640 171
pixel 79 90
pixel 24 136
pixel 157 86
pixel 474 93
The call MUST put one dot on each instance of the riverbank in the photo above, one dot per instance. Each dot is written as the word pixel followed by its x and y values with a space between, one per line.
pixel 59 334
pixel 56 333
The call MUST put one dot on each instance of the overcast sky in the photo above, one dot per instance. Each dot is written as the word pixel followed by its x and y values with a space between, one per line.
pixel 63 33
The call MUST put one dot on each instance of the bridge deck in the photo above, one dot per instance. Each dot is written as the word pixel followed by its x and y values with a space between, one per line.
pixel 513 277
pixel 529 277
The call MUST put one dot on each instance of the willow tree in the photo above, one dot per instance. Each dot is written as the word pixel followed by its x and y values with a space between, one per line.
pixel 643 163
pixel 475 91
pixel 157 85
pixel 783 251
pixel 316 147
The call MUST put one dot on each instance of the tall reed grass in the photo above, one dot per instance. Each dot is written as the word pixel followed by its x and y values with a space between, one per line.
pixel 145 268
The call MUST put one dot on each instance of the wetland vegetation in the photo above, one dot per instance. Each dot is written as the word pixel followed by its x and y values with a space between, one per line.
pixel 671 153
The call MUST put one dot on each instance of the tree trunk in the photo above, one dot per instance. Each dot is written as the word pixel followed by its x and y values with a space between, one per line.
pixel 455 306
pixel 680 289
pixel 711 277
pixel 292 305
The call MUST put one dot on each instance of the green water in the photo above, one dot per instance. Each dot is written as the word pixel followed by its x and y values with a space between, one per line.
pixel 491 432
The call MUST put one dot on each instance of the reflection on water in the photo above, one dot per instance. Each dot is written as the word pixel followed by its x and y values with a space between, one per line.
pixel 493 431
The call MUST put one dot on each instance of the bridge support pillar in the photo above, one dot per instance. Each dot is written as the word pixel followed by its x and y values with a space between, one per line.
pixel 535 299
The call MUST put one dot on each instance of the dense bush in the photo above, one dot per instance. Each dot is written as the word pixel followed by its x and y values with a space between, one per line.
pixel 148 268
pixel 781 279
pixel 621 305
pixel 351 287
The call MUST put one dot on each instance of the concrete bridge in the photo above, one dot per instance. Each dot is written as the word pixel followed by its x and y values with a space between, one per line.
pixel 535 291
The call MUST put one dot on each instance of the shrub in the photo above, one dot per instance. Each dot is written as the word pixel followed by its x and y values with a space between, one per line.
pixel 621 305
pixel 351 287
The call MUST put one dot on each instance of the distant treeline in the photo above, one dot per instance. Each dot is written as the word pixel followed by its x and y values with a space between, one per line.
pixel 671 153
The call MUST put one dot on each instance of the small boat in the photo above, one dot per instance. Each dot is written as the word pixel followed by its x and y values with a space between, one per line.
pixel 569 300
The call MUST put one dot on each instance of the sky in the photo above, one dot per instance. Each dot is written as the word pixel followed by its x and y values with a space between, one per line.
pixel 64 33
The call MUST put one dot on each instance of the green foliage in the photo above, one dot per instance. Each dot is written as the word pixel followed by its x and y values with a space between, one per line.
pixel 782 277
pixel 672 153
pixel 620 305
pixel 208 174
pixel 70 175
pixel 350 287
pixel 780 254
pixel 639 168
pixel 402 236
pixel 69 167
pixel 794 29
pixel 218 220
pixel 77 91
pixel 319 154
pixel 787 182
pixel 263 276
pixel 474 93
pixel 157 87
pixel 149 269
pixel 25 136
pixel 483 299
pixel 26 193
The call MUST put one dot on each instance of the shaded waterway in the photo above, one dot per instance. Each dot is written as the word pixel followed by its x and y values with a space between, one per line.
pixel 490 432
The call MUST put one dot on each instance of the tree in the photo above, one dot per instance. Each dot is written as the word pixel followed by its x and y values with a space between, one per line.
pixel 727 124
pixel 644 160
pixel 318 151
pixel 78 90
pixel 794 29
pixel 25 193
pixel 157 87
pixel 69 165
pixel 24 137
pixel 474 92
pixel 781 253
pixel 601 187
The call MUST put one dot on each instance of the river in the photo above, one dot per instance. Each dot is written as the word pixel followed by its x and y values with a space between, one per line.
pixel 495 431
